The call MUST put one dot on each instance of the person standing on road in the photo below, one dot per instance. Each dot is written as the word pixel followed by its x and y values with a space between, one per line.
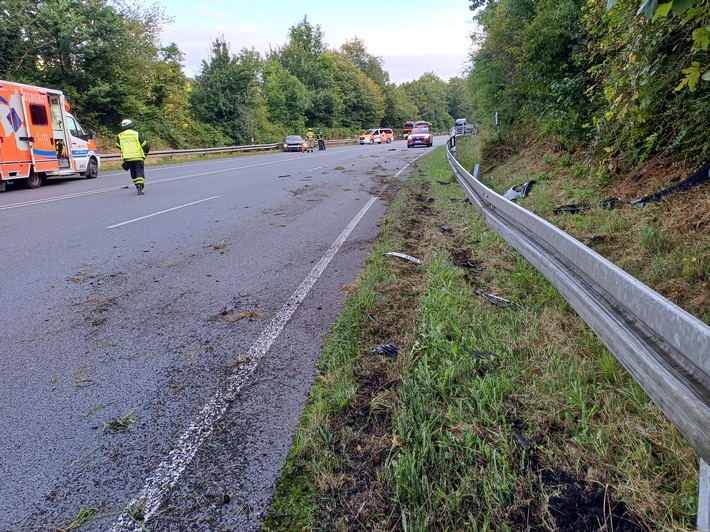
pixel 310 137
pixel 320 137
pixel 133 148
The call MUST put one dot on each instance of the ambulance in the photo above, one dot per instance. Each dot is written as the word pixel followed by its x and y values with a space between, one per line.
pixel 40 139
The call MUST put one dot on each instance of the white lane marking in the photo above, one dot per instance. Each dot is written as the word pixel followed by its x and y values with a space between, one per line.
pixel 406 165
pixel 161 212
pixel 167 474
pixel 318 168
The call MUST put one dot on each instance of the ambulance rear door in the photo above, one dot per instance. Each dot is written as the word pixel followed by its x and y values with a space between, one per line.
pixel 9 155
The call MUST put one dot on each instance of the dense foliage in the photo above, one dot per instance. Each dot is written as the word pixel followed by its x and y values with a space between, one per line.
pixel 597 73
pixel 107 58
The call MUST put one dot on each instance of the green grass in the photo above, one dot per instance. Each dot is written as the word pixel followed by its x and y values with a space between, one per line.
pixel 432 441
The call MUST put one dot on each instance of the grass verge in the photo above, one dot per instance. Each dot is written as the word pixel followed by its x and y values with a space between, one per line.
pixel 508 416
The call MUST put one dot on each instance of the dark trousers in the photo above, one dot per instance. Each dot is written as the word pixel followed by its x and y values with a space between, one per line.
pixel 321 144
pixel 137 169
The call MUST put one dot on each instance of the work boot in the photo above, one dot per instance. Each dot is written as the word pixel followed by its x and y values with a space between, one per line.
pixel 140 190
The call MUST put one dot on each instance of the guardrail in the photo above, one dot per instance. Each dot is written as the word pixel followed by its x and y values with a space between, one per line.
pixel 663 347
pixel 225 149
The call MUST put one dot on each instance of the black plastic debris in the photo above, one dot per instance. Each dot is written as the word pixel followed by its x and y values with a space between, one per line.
pixel 482 354
pixel 636 177
pixel 389 350
pixel 494 299
pixel 404 256
pixel 443 182
pixel 519 191
pixel 447 229
pixel 698 178
pixel 285 175
pixel 610 203
pixel 593 238
pixel 520 440
pixel 572 208
pixel 607 204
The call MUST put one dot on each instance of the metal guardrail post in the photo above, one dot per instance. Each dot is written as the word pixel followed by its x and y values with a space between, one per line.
pixel 704 497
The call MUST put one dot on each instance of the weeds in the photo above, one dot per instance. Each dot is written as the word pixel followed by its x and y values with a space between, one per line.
pixel 121 423
pixel 85 515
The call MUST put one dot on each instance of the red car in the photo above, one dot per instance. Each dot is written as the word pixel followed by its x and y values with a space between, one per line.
pixel 420 137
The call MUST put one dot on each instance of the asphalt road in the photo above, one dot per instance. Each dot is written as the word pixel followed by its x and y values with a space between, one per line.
pixel 157 350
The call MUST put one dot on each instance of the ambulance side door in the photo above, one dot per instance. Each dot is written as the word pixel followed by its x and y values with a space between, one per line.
pixel 79 144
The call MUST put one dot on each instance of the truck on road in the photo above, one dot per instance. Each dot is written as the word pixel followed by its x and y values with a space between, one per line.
pixel 40 139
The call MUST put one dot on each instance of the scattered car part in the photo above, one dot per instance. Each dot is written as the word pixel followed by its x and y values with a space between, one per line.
pixel 389 350
pixel 520 440
pixel 404 256
pixel 698 178
pixel 494 299
pixel 518 191
pixel 482 354
pixel 607 204
pixel 571 209
pixel 447 229
pixel 593 238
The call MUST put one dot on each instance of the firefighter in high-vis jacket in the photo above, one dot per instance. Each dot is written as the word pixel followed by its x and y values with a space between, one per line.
pixel 133 148
pixel 320 137
pixel 310 140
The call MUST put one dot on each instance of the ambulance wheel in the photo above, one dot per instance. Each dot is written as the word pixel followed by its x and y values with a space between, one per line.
pixel 34 180
pixel 92 169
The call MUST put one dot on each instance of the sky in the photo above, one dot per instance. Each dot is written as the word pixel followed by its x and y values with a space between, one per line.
pixel 411 37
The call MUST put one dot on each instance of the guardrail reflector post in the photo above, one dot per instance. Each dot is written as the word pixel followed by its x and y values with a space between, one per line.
pixel 704 497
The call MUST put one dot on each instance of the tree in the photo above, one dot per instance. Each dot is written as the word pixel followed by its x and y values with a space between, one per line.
pixel 429 94
pixel 362 100
pixel 399 107
pixel 304 56
pixel 287 100
pixel 458 99
pixel 371 65
pixel 226 92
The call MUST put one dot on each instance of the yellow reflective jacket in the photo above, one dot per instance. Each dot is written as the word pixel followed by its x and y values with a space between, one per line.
pixel 131 144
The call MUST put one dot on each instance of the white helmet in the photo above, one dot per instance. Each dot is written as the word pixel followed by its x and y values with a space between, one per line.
pixel 127 123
